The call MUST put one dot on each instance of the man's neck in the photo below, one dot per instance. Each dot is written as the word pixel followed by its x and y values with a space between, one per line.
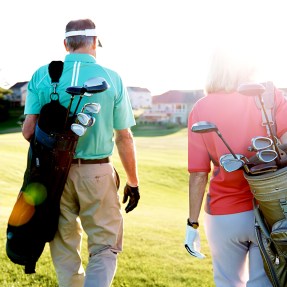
pixel 91 52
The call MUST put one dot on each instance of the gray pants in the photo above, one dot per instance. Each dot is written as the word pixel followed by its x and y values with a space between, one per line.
pixel 90 202
pixel 235 254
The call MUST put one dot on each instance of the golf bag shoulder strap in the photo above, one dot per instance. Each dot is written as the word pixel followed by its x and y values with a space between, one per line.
pixel 55 70
pixel 268 98
pixel 56 123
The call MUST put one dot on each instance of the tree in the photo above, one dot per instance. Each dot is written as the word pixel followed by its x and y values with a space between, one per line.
pixel 4 104
pixel 4 92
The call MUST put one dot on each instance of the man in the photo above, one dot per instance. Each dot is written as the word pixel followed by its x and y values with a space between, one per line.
pixel 90 200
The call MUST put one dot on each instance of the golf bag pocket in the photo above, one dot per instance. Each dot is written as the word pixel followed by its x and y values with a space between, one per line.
pixel 24 246
pixel 44 138
pixel 52 117
pixel 270 192
pixel 274 261
pixel 279 237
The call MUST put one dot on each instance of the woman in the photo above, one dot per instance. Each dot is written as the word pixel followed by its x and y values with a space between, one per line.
pixel 229 218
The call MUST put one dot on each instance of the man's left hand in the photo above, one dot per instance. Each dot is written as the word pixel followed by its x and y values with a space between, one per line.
pixel 133 194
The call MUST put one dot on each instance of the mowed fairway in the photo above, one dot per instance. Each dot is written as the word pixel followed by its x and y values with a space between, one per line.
pixel 154 254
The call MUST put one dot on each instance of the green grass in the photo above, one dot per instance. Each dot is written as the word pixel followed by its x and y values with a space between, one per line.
pixel 153 254
pixel 11 125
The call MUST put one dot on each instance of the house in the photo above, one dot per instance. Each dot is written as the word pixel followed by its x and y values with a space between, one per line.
pixel 171 107
pixel 140 97
pixel 18 97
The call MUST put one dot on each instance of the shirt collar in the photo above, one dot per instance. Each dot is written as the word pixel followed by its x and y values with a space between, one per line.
pixel 80 58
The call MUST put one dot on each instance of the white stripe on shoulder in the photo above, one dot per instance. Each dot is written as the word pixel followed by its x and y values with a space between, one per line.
pixel 77 73
pixel 73 75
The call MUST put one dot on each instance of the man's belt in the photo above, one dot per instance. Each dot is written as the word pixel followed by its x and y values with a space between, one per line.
pixel 91 161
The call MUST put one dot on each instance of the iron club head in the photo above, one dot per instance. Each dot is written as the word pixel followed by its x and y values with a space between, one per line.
pixel 92 108
pixel 85 120
pixel 78 129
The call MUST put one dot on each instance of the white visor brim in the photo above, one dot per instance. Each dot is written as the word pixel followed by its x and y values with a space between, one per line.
pixel 86 32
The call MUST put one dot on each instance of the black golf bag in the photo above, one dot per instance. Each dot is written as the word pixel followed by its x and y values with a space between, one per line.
pixel 34 218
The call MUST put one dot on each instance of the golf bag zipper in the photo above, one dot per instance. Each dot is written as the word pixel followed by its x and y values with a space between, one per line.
pixel 274 282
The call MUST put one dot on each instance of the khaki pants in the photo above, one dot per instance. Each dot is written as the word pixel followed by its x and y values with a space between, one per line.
pixel 90 202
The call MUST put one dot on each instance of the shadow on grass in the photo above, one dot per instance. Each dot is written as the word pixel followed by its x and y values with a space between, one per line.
pixel 155 130
pixel 10 130
pixel 10 126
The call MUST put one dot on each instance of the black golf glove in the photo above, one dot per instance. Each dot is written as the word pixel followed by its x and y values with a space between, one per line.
pixel 133 194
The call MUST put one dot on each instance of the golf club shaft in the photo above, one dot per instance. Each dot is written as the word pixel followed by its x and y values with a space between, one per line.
pixel 229 148
pixel 78 105
pixel 68 110
pixel 271 133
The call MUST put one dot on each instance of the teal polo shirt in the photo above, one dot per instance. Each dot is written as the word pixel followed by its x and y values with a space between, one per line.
pixel 116 112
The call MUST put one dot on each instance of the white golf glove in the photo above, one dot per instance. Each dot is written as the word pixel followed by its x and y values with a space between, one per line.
pixel 192 242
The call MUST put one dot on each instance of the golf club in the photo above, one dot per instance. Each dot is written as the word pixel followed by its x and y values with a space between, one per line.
pixel 91 108
pixel 81 96
pixel 254 89
pixel 229 156
pixel 267 155
pixel 232 164
pixel 260 143
pixel 78 129
pixel 85 119
pixel 73 91
pixel 229 163
pixel 206 127
pixel 93 86
pixel 96 85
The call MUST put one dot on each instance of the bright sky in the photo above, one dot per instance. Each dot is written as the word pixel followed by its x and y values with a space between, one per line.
pixel 155 44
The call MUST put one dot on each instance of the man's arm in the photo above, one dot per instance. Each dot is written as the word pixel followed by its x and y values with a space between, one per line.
pixel 197 185
pixel 127 152
pixel 28 127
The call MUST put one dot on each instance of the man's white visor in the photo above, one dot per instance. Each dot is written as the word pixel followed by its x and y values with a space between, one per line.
pixel 86 32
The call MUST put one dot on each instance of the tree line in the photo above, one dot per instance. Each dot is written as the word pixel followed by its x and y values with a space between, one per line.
pixel 4 104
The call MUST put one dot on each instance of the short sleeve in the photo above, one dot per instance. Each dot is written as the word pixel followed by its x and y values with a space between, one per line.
pixel 198 156
pixel 123 113
pixel 32 104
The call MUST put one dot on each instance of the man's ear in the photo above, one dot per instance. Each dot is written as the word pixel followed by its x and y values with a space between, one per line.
pixel 95 41
pixel 65 44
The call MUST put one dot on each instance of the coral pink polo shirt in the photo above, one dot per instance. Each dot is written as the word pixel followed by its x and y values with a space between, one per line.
pixel 238 120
